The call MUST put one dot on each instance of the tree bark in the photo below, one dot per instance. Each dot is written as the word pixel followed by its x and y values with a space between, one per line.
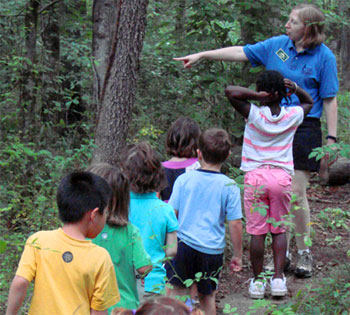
pixel 51 42
pixel 339 172
pixel 28 81
pixel 344 47
pixel 118 33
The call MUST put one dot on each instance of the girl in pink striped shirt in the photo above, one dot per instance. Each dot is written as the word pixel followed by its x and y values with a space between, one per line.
pixel 267 160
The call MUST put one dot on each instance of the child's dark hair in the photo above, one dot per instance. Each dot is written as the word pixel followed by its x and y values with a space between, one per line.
pixel 80 192
pixel 118 205
pixel 272 81
pixel 215 145
pixel 182 138
pixel 160 306
pixel 143 168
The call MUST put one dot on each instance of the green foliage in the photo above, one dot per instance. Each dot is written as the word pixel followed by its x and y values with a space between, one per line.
pixel 330 296
pixel 334 219
pixel 34 156
pixel 228 309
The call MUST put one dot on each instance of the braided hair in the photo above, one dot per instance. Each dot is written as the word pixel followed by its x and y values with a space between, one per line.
pixel 272 81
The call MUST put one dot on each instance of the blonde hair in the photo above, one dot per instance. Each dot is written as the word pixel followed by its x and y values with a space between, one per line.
pixel 313 19
pixel 118 206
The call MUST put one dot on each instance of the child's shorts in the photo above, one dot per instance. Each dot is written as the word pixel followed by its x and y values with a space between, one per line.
pixel 270 186
pixel 188 262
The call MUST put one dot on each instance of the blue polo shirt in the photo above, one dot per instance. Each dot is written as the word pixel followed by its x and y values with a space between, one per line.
pixel 315 70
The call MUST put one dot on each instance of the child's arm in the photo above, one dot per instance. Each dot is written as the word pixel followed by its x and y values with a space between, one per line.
pixel 144 271
pixel 239 96
pixel 305 99
pixel 171 244
pixel 235 227
pixel 18 291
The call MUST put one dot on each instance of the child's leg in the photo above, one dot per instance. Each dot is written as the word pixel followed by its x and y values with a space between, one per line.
pixel 180 269
pixel 279 248
pixel 255 196
pixel 280 196
pixel 207 303
pixel 194 291
pixel 257 247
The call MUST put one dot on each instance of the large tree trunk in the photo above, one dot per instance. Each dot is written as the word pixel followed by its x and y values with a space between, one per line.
pixel 118 33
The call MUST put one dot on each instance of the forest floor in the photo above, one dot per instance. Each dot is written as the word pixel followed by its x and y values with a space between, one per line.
pixel 329 249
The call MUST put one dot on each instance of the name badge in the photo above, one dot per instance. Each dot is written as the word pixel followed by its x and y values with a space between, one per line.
pixel 282 55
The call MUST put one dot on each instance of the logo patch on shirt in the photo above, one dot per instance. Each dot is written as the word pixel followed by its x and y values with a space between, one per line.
pixel 67 257
pixel 282 55
pixel 104 235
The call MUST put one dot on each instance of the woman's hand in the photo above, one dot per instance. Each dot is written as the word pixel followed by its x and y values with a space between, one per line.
pixel 189 60
pixel 291 86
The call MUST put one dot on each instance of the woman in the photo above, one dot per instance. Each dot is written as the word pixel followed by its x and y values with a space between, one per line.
pixel 300 56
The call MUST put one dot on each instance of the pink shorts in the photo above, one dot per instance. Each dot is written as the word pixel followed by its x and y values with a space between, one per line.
pixel 269 188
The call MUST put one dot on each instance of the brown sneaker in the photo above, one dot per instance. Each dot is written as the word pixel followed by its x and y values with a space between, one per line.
pixel 303 267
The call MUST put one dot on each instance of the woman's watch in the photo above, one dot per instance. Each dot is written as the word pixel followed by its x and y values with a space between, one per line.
pixel 332 138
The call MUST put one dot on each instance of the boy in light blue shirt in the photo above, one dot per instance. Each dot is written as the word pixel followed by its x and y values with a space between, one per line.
pixel 202 200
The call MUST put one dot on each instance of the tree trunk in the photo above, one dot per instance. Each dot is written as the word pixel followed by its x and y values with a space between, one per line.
pixel 339 172
pixel 118 33
pixel 28 80
pixel 51 43
pixel 344 47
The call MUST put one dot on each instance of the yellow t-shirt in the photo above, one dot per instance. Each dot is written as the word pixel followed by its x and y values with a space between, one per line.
pixel 71 276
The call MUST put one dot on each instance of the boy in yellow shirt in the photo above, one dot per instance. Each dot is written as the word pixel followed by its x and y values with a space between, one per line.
pixel 72 275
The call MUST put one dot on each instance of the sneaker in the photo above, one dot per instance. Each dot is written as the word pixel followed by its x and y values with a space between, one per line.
pixel 303 268
pixel 257 289
pixel 270 267
pixel 278 286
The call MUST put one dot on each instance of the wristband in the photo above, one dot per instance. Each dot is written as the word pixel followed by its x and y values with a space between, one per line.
pixel 296 86
pixel 332 138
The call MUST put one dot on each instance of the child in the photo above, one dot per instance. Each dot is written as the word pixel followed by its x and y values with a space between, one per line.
pixel 72 275
pixel 121 238
pixel 267 159
pixel 160 306
pixel 155 219
pixel 181 145
pixel 202 199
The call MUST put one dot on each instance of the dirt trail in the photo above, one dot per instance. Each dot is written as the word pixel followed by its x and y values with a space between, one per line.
pixel 326 252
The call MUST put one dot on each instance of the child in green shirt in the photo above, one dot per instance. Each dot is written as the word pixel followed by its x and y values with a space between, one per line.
pixel 121 238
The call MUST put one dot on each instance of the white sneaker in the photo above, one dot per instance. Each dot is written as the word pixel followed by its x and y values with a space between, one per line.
pixel 278 286
pixel 257 289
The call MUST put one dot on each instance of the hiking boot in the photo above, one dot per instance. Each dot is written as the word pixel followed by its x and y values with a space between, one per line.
pixel 270 267
pixel 278 286
pixel 303 268
pixel 257 289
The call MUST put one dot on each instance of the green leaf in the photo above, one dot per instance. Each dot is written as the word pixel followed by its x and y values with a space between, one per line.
pixel 3 246
pixel 188 283
pixel 308 241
